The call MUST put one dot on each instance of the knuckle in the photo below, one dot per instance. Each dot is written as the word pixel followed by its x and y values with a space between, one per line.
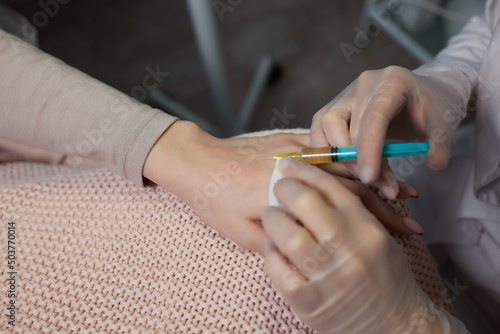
pixel 396 71
pixel 290 285
pixel 315 122
pixel 334 116
pixel 391 90
pixel 329 244
pixel 367 75
pixel 319 114
pixel 356 267
pixel 287 281
pixel 295 243
pixel 306 199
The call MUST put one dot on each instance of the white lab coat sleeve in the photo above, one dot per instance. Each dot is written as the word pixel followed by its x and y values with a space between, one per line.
pixel 466 50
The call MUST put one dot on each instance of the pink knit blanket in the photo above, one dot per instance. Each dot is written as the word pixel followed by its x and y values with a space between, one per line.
pixel 94 253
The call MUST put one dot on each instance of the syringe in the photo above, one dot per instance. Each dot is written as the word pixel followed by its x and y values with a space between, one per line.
pixel 323 155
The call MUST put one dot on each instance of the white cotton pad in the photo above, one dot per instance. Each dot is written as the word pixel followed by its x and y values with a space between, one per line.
pixel 273 201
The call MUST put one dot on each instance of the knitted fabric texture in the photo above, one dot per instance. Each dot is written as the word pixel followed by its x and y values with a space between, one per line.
pixel 95 253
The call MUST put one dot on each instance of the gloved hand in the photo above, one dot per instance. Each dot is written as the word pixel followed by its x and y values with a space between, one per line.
pixel 341 272
pixel 429 102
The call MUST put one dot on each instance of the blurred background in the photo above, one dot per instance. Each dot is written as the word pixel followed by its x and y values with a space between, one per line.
pixel 316 44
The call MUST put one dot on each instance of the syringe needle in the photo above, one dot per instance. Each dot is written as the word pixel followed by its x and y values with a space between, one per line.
pixel 294 155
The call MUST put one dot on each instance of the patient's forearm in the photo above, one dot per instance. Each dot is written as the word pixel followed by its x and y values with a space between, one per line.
pixel 64 114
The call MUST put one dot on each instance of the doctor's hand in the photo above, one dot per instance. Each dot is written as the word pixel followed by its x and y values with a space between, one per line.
pixel 339 269
pixel 227 187
pixel 427 103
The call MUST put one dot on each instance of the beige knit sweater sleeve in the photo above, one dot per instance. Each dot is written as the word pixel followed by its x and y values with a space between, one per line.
pixel 52 112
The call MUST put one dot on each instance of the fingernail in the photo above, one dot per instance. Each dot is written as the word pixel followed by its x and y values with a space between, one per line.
pixel 413 226
pixel 408 190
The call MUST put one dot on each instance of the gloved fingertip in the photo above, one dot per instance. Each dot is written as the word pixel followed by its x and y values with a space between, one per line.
pixel 284 163
pixel 438 156
pixel 389 191
pixel 436 163
pixel 366 174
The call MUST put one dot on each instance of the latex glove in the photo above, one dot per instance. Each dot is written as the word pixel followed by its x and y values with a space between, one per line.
pixel 341 272
pixel 221 180
pixel 429 102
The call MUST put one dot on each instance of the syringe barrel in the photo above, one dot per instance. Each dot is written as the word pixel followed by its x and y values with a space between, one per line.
pixel 326 155
pixel 319 155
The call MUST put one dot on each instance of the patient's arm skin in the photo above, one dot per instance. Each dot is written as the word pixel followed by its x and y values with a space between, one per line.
pixel 341 272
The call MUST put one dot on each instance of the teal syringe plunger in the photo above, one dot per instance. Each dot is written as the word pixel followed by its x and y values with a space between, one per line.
pixel 322 155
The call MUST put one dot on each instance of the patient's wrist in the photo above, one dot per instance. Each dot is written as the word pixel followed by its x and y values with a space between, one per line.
pixel 174 156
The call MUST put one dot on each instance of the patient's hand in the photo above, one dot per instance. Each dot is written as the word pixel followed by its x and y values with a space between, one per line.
pixel 221 180
pixel 340 271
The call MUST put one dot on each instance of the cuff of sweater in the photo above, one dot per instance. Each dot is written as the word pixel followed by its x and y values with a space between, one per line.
pixel 148 134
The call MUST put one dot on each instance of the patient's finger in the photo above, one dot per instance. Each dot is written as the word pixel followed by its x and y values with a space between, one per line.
pixel 349 170
pixel 405 191
pixel 392 220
